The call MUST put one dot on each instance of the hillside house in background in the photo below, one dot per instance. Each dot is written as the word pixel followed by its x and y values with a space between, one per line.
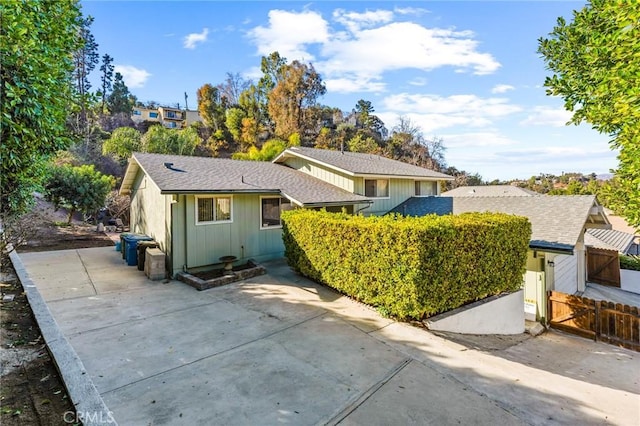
pixel 199 209
pixel 170 117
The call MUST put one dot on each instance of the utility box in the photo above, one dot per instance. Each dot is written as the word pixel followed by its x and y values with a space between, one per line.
pixel 154 267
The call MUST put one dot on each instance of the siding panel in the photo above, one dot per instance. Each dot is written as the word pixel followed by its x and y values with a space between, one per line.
pixel 565 275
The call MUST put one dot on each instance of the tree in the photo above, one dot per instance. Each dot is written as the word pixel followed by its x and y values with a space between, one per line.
pixel 211 107
pixel 78 189
pixel 122 143
pixel 37 41
pixel 232 88
pixel 106 79
pixel 161 140
pixel 408 144
pixel 85 59
pixel 362 144
pixel 119 101
pixel 298 89
pixel 270 150
pixel 595 62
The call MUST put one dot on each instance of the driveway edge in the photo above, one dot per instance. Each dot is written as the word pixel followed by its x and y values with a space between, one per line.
pixel 90 407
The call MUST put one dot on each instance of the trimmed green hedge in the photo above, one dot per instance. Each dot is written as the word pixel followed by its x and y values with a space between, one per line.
pixel 406 266
pixel 630 262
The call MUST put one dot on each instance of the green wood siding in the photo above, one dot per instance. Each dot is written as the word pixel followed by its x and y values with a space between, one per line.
pixel 242 237
pixel 149 211
pixel 333 177
pixel 399 191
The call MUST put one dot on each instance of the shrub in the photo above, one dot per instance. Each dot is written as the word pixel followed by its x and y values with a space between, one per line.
pixel 409 267
pixel 630 262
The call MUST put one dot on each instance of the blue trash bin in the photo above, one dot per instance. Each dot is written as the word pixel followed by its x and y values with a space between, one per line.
pixel 123 242
pixel 131 248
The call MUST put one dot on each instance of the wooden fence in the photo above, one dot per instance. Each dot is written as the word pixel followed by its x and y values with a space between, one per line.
pixel 609 322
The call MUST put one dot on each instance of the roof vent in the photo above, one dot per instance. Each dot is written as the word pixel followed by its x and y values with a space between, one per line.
pixel 169 166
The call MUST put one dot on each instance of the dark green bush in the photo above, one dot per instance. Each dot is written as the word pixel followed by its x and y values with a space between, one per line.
pixel 630 262
pixel 409 267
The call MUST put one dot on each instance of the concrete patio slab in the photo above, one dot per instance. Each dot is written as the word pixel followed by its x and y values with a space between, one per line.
pixel 281 349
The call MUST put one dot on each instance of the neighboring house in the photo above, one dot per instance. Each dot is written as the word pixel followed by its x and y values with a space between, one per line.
pixel 139 114
pixel 199 209
pixel 489 191
pixel 556 258
pixel 170 117
pixel 385 182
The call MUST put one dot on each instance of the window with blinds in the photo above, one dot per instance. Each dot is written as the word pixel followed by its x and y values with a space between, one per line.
pixel 213 209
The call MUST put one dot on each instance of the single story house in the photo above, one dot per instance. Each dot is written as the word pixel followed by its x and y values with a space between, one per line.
pixel 199 209
pixel 556 258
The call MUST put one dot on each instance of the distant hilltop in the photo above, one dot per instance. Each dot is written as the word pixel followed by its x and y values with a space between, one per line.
pixel 605 176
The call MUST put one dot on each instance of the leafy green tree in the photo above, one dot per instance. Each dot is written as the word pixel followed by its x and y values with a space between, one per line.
pixel 211 107
pixel 595 62
pixel 119 101
pixel 106 79
pixel 363 144
pixel 37 41
pixel 161 140
pixel 123 142
pixel 270 150
pixel 78 189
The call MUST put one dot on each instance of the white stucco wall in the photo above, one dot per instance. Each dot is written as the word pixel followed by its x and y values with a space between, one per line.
pixel 630 280
pixel 494 315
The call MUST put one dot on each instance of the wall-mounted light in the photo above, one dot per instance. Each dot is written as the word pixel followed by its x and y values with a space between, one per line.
pixel 551 263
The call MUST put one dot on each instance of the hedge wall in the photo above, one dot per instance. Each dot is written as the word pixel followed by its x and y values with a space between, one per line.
pixel 630 262
pixel 409 267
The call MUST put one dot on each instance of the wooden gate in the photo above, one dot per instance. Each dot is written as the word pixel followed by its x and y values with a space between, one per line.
pixel 603 267
pixel 599 320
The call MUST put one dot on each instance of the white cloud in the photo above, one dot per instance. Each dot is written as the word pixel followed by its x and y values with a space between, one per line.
pixel 434 112
pixel 502 88
pixel 418 81
pixel 546 116
pixel 403 45
pixel 289 33
pixel 371 45
pixel 354 21
pixel 133 77
pixel 410 11
pixel 351 85
pixel 191 40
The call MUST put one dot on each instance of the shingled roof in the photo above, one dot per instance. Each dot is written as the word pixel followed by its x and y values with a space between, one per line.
pixel 556 221
pixel 489 191
pixel 175 174
pixel 358 164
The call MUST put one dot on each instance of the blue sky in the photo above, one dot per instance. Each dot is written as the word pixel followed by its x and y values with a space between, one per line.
pixel 463 71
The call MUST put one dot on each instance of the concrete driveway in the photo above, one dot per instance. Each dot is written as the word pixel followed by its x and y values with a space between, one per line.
pixel 279 349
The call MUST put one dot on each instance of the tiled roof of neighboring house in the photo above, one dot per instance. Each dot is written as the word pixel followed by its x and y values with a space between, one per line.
pixel 609 239
pixel 185 174
pixel 358 164
pixel 489 191
pixel 556 221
